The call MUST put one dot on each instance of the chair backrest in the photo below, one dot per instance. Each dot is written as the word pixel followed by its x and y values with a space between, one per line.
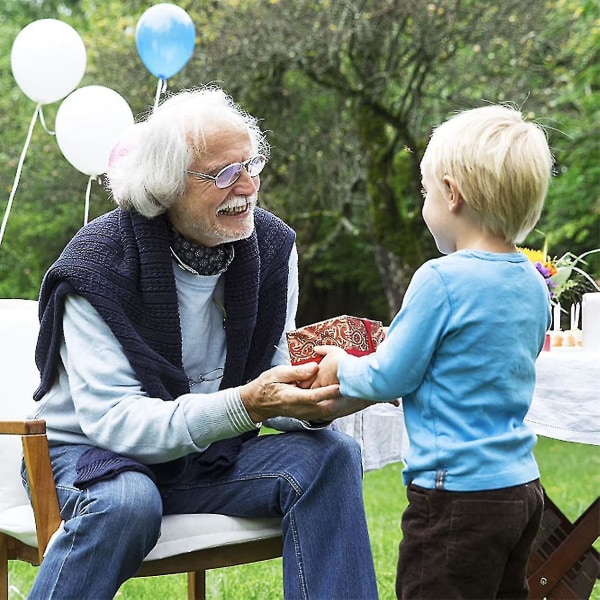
pixel 19 378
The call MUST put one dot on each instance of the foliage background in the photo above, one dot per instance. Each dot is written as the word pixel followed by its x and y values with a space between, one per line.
pixel 349 92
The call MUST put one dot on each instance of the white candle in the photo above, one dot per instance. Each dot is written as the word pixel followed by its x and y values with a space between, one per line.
pixel 556 317
pixel 590 325
pixel 572 317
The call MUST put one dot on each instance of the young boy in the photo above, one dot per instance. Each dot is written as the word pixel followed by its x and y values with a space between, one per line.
pixel 461 353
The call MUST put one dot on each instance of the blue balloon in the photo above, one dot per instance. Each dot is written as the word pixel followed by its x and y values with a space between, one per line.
pixel 165 36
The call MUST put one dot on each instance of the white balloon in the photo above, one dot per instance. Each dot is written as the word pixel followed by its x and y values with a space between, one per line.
pixel 88 123
pixel 48 60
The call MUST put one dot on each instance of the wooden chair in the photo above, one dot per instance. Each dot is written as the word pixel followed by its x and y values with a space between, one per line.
pixel 564 564
pixel 189 544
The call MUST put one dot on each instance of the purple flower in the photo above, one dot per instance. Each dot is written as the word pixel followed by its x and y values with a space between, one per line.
pixel 546 274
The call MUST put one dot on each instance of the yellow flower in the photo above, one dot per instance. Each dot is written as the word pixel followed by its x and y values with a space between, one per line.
pixel 535 256
pixel 561 274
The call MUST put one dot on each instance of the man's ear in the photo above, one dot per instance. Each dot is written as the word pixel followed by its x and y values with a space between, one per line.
pixel 454 198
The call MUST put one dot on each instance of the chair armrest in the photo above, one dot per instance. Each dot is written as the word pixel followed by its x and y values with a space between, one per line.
pixel 23 427
pixel 44 499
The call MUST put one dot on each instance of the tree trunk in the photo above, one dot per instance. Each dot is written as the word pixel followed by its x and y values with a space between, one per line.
pixel 397 232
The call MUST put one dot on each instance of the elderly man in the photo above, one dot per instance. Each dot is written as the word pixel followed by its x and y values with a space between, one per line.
pixel 159 324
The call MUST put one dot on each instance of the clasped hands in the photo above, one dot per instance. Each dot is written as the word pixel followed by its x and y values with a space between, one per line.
pixel 310 392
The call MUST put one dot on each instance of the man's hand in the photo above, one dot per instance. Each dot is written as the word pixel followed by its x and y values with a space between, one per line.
pixel 277 393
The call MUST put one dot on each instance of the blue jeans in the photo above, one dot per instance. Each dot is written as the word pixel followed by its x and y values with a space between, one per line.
pixel 313 480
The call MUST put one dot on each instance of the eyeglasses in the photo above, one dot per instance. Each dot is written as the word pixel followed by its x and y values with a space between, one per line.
pixel 228 175
pixel 213 375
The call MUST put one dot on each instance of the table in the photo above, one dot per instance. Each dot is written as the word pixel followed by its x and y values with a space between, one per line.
pixel 380 432
pixel 566 407
pixel 566 401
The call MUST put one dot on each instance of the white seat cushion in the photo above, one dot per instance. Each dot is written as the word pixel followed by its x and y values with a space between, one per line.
pixel 179 533
pixel 18 522
pixel 19 378
pixel 185 533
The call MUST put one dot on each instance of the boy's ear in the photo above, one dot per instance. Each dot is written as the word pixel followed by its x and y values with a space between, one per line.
pixel 454 199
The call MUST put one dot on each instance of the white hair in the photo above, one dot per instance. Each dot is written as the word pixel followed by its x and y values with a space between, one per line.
pixel 148 172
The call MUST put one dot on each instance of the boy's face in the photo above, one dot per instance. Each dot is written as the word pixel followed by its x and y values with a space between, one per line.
pixel 436 211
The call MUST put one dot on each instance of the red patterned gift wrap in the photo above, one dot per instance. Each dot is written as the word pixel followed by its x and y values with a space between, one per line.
pixel 356 335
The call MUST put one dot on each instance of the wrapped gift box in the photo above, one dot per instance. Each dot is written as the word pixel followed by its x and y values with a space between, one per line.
pixel 356 335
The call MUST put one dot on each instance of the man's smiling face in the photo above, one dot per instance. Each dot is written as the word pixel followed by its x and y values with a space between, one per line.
pixel 206 215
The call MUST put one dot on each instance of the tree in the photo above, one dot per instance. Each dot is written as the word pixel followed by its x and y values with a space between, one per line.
pixel 394 69
pixel 348 91
pixel 571 221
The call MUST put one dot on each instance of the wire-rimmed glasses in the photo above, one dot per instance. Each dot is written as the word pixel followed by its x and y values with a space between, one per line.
pixel 228 175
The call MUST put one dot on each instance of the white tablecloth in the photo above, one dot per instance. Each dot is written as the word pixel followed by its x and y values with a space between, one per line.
pixel 566 401
pixel 379 429
pixel 566 406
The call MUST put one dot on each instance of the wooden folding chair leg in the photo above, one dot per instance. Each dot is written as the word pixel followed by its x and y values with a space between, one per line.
pixel 196 584
pixel 548 573
pixel 3 568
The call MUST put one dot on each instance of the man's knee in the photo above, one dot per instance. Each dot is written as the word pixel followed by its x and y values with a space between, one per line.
pixel 343 447
pixel 130 499
pixel 324 456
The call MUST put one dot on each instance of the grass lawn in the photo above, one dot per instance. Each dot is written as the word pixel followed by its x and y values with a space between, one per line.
pixel 570 474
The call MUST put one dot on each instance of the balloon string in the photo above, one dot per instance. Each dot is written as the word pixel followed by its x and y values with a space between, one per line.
pixel 43 122
pixel 11 197
pixel 86 213
pixel 160 89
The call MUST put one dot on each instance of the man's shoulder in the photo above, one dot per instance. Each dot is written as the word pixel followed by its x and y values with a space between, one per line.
pixel 111 216
pixel 269 226
pixel 264 217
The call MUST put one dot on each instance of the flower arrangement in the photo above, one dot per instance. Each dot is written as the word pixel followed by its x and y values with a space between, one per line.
pixel 564 274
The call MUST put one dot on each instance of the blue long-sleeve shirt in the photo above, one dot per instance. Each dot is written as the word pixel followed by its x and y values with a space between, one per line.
pixel 461 353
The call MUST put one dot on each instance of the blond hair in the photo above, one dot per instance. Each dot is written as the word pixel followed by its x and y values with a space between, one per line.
pixel 501 163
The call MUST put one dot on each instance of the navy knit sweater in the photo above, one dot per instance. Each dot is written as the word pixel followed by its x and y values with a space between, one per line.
pixel 121 264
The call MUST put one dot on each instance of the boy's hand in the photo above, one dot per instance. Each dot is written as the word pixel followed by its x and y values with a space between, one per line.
pixel 328 366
